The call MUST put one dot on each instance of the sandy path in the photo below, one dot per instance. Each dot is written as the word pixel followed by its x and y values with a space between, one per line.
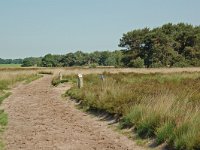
pixel 39 119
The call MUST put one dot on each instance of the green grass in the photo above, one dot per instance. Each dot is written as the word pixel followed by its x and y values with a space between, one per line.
pixel 2 146
pixel 56 81
pixel 32 78
pixel 10 65
pixel 6 95
pixel 3 123
pixel 3 118
pixel 161 106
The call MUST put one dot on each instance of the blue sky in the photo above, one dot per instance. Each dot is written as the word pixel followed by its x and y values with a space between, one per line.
pixel 38 27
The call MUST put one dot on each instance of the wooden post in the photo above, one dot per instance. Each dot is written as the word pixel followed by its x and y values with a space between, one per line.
pixel 80 80
pixel 60 76
pixel 102 77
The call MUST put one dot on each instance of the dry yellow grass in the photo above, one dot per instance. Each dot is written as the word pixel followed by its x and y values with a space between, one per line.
pixel 11 73
pixel 85 70
pixel 76 70
pixel 164 105
pixel 10 76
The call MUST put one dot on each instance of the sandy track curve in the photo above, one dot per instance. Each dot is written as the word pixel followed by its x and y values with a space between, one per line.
pixel 39 119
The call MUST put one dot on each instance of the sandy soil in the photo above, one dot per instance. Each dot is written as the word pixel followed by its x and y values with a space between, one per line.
pixel 39 119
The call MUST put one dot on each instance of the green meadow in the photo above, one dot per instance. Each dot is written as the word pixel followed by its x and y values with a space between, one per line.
pixel 10 65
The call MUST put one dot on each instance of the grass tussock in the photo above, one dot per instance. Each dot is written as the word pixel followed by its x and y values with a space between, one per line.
pixel 45 72
pixel 6 95
pixel 66 78
pixel 163 106
pixel 3 118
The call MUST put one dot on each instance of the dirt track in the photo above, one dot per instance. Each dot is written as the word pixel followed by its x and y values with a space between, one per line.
pixel 39 119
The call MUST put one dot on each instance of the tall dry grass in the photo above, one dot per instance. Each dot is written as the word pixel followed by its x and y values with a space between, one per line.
pixel 10 76
pixel 163 106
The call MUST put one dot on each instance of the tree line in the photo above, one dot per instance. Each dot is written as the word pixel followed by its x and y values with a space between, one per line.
pixel 79 58
pixel 171 45
pixel 11 61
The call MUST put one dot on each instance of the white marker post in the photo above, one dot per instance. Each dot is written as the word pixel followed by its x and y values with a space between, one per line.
pixel 80 80
pixel 60 76
pixel 102 77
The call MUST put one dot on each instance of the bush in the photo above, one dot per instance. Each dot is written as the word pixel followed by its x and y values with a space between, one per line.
pixel 156 65
pixel 94 65
pixel 137 63
pixel 195 62
pixel 182 64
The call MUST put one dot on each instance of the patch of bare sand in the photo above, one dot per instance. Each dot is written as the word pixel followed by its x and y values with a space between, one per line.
pixel 39 119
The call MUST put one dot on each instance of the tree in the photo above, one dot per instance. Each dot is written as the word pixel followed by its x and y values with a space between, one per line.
pixel 50 60
pixel 31 61
pixel 137 63
pixel 160 47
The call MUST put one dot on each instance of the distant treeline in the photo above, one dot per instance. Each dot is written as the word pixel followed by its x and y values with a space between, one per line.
pixel 11 61
pixel 105 58
pixel 171 45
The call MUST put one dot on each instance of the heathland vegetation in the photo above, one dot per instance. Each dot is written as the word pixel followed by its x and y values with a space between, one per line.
pixel 162 106
pixel 165 107
pixel 171 45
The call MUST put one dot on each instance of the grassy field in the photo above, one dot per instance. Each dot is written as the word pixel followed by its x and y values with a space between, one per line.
pixel 10 65
pixel 159 103
pixel 165 107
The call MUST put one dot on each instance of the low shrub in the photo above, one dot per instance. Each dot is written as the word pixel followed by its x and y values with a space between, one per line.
pixel 137 63
pixel 93 65
pixel 46 72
